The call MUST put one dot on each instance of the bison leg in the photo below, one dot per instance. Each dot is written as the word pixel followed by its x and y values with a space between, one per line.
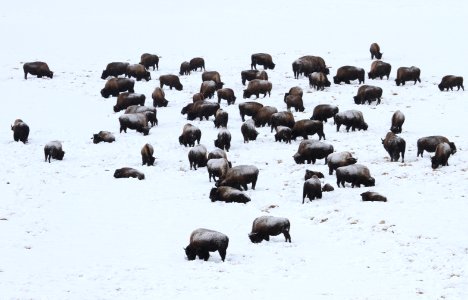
pixel 222 253
pixel 161 84
pixel 287 236
pixel 25 75
pixel 244 186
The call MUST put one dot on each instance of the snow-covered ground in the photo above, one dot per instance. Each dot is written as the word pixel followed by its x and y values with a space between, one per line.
pixel 69 230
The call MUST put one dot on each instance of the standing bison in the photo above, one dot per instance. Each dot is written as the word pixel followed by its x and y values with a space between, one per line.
pixel 319 81
pixel 379 69
pixel 265 226
pixel 248 131
pixel 429 143
pixel 408 74
pixel 283 118
pixel 239 176
pixel 190 135
pixel 395 146
pixel 355 174
pixel 224 139
pixel 172 81
pixel 398 118
pixel 283 134
pixel 213 75
pixel 249 75
pixel 136 121
pixel 368 93
pixel 221 118
pixel 347 73
pixel 149 60
pixel 306 127
pixel 442 154
pixel 217 167
pixel 323 112
pixel 147 157
pixel 159 98
pixel 198 156
pixel 38 68
pixel 115 69
pixel 150 112
pixel 309 151
pixel 294 101
pixel 257 87
pixel 312 189
pixel 53 150
pixel 20 131
pixel 450 81
pixel 196 63
pixel 200 109
pixel 226 94
pixel 263 116
pixel 375 51
pixel 249 108
pixel 138 71
pixel 339 159
pixel 351 119
pixel 262 59
pixel 184 68
pixel 114 86
pixel 203 241
pixel 309 64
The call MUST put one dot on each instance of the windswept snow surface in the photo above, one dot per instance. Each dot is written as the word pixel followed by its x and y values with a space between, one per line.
pixel 69 230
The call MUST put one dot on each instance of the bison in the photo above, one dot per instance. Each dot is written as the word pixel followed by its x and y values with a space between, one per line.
pixel 221 118
pixel 150 112
pixel 190 134
pixel 159 98
pixel 196 63
pixel 200 109
pixel 116 85
pixel 407 74
pixel 248 131
pixel 429 143
pixel 217 167
pixel 249 108
pixel 125 100
pixel 442 154
pixel 319 81
pixel 103 136
pixel 312 189
pixel 379 69
pixel 283 118
pixel 375 51
pixel 138 71
pixel 114 69
pixel 257 87
pixel 197 97
pixel 20 131
pixel 262 59
pixel 351 119
pixel 213 75
pixel 226 94
pixel 398 118
pixel 203 241
pixel 37 68
pixel 295 90
pixel 53 150
pixel 224 139
pixel 306 127
pixel 147 157
pixel 373 196
pixel 228 194
pixel 323 112
pixel 263 116
pixel 265 226
pixel 309 173
pixel 249 75
pixel 208 88
pixel 149 60
pixel 309 151
pixel 339 159
pixel 283 134
pixel 347 73
pixel 172 81
pixel 309 64
pixel 450 81
pixel 294 101
pixel 197 156
pixel 136 121
pixel 240 176
pixel 394 145
pixel 128 172
pixel 184 68
pixel 368 93
pixel 355 174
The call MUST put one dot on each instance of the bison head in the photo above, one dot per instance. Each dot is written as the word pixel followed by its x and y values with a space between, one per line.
pixel 357 100
pixel 378 55
pixel 270 66
pixel 452 147
pixel 397 81
pixel 179 86
pixel 59 155
pixel 105 93
pixel 434 162
pixel 255 237
pixel 441 87
pixel 370 182
pixel 96 138
pixel 298 158
pixel 214 194
pixel 247 94
pixel 191 252
pixel 104 74
pixel 336 80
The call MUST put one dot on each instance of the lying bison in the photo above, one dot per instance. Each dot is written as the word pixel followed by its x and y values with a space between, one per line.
pixel 203 241
pixel 262 59
pixel 442 154
pixel 408 74
pixel 147 157
pixel 249 75
pixel 197 157
pixel 240 176
pixel 228 194
pixel 309 151
pixel 172 81
pixel 373 196
pixel 351 119
pixel 20 131
pixel 196 63
pixel 128 172
pixel 265 226
pixel 136 121
pixel 355 174
pixel 53 150
pixel 395 146
pixel 450 81
pixel 312 189
pixel 149 60
pixel 37 68
pixel 138 71
pixel 114 86
pixel 319 81
pixel 217 167
pixel 323 112
pixel 306 127
pixel 368 93
pixel 257 87
pixel 429 143
pixel 339 159
pixel 103 136
pixel 114 69
pixel 347 73
pixel 398 118
pixel 375 51
pixel 249 108
pixel 379 69
pixel 159 98
pixel 190 135
pixel 223 140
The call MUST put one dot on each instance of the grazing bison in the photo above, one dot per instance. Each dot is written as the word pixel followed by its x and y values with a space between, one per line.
pixel 319 81
pixel 20 131
pixel 224 139
pixel 128 172
pixel 375 51
pixel 116 85
pixel 213 75
pixel 309 64
pixel 37 68
pixel 373 196
pixel 149 60
pixel 249 75
pixel 248 131
pixel 379 69
pixel 368 93
pixel 150 112
pixel 398 118
pixel 114 69
pixel 159 98
pixel 262 59
pixel 309 151
pixel 200 109
pixel 249 108
pixel 124 100
pixel 283 118
pixel 196 63
pixel 221 118
pixel 324 111
pixel 103 136
pixel 197 156
pixel 294 101
pixel 312 189
pixel 172 81
pixel 355 174
pixel 217 167
pixel 347 73
pixel 309 173
pixel 147 157
pixel 228 194
pixel 203 241
pixel 394 145
pixel 240 176
pixel 283 134
pixel 257 87
pixel 351 119
pixel 208 88
pixel 138 71
pixel 306 127
pixel 263 116
pixel 226 94
pixel 408 74
pixel 136 121
pixel 53 150
pixel 190 134
pixel 450 81
pixel 339 159
pixel 184 68
pixel 265 226
pixel 429 143
pixel 442 154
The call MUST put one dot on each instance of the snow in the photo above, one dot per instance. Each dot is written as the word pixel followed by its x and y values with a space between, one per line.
pixel 71 231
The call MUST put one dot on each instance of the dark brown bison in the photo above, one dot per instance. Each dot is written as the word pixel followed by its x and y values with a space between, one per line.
pixel 309 173
pixel 228 194
pixel 263 116
pixel 373 196
pixel 37 68
pixel 265 226
pixel 114 86
pixel 347 73
pixel 319 81
pixel 103 136
pixel 198 156
pixel 223 140
pixel 327 188
pixel 114 69
pixel 351 119
pixel 128 172
pixel 248 131
pixel 138 71
pixel 159 98
pixel 217 167
pixel 257 87
pixel 208 89
pixel 218 153
pixel 309 151
pixel 312 189
pixel 149 60
pixel 395 146
pixel 20 131
pixel 398 118
pixel 295 90
pixel 172 81
pixel 200 109
pixel 442 154
pixel 147 157
pixel 184 68
pixel 379 69
pixel 221 118
pixel 282 118
pixel 203 241
pixel 306 127
pixel 339 159
pixel 190 135
pixel 309 64
pixel 408 74
pixel 150 112
pixel 429 143
pixel 249 75
pixel 196 63
pixel 136 121
pixel 375 51
pixel 226 94
pixel 262 59
pixel 450 81
pixel 323 112
pixel 213 75
pixel 283 134
pixel 294 101
pixel 239 176
pixel 197 97
pixel 368 93
pixel 249 108
pixel 355 174
pixel 124 100
pixel 53 150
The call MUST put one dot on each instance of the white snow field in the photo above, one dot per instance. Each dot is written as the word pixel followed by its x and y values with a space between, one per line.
pixel 69 230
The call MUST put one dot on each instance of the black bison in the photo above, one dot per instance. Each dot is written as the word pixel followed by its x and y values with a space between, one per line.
pixel 114 69
pixel 226 94
pixel 159 98
pixel 265 226
pixel 138 71
pixel 190 135
pixel 282 118
pixel 379 69
pixel 309 64
pixel 323 112
pixel 147 157
pixel 213 75
pixel 20 131
pixel 128 172
pixel 103 136
pixel 327 188
pixel 407 74
pixel 198 156
pixel 257 87
pixel 136 121
pixel 149 60
pixel 347 73
pixel 200 109
pixel 228 194
pixel 394 145
pixel 373 196
pixel 53 150
pixel 184 68
pixel 124 100
pixel 37 68
pixel 319 81
pixel 294 101
pixel 312 189
pixel 249 108
pixel 203 241
pixel 283 134
pixel 262 59
pixel 208 89
pixel 223 140
pixel 309 151
pixel 368 93
pixel 239 176
pixel 355 174
pixel 114 86
pixel 248 131
pixel 217 167
pixel 309 173
pixel 429 143
pixel 221 118
pixel 450 81
pixel 150 112
pixel 172 81
pixel 398 118
pixel 339 159
pixel 375 51
pixel 249 75
pixel 263 116
pixel 196 63
pixel 351 119
pixel 442 154
pixel 295 90
pixel 306 127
